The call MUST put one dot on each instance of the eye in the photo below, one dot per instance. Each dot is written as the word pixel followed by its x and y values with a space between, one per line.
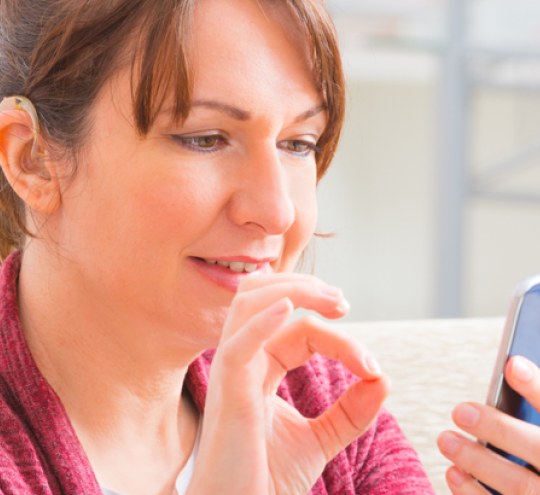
pixel 201 144
pixel 204 142
pixel 298 146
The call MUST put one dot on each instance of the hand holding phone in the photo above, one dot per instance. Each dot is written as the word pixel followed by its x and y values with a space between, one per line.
pixel 510 424
pixel 521 338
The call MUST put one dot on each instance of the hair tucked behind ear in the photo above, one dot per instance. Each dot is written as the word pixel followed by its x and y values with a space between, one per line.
pixel 60 53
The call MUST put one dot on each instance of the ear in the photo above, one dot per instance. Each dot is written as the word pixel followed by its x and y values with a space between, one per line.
pixel 31 180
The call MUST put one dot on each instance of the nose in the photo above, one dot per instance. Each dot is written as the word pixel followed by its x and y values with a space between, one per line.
pixel 262 198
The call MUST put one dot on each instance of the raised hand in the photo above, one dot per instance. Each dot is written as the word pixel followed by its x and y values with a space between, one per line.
pixel 514 436
pixel 252 441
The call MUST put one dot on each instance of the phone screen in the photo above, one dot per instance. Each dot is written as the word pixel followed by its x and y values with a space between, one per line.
pixel 526 343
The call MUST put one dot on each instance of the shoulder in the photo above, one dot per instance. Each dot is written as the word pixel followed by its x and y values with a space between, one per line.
pixel 20 468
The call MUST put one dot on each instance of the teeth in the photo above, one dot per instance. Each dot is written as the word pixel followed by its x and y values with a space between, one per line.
pixel 250 267
pixel 235 266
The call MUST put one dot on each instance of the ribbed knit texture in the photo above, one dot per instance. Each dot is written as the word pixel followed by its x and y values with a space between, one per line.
pixel 41 455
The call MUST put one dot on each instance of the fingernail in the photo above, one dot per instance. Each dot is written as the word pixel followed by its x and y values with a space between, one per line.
pixel 466 415
pixel 329 290
pixel 521 369
pixel 372 365
pixel 456 476
pixel 449 443
pixel 277 309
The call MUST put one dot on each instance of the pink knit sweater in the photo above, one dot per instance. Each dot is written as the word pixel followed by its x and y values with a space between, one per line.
pixel 40 452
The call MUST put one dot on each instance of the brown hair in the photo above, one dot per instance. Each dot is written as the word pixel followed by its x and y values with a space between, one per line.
pixel 59 54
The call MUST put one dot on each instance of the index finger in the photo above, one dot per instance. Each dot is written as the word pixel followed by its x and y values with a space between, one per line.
pixel 257 280
pixel 328 302
pixel 500 430
pixel 298 341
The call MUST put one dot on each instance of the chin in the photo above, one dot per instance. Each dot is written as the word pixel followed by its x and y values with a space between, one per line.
pixel 204 331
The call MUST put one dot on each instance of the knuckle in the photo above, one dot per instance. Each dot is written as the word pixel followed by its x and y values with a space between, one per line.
pixel 306 287
pixel 468 461
pixel 528 484
pixel 315 323
pixel 310 321
pixel 499 429
pixel 353 342
pixel 327 435
pixel 312 279
pixel 297 290
pixel 229 354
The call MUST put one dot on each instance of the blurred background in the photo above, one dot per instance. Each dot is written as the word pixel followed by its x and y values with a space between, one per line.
pixel 434 196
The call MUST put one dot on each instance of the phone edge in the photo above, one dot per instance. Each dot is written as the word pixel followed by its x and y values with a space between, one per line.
pixel 518 295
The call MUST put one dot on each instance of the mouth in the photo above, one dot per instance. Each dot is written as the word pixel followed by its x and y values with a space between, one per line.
pixel 235 266
pixel 228 273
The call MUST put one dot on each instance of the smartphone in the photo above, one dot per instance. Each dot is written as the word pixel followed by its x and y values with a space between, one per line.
pixel 521 337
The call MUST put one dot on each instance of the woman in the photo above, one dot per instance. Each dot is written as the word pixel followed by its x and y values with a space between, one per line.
pixel 164 151
pixel 174 150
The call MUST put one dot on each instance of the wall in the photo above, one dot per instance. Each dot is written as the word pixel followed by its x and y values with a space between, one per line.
pixel 378 198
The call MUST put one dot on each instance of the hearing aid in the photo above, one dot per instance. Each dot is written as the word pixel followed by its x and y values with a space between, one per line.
pixel 36 154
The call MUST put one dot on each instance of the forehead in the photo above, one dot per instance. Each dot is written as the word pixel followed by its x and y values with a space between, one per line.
pixel 257 54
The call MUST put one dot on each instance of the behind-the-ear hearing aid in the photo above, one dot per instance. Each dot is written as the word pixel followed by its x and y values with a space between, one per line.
pixel 24 104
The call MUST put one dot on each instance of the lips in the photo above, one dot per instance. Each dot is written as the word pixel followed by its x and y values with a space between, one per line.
pixel 228 274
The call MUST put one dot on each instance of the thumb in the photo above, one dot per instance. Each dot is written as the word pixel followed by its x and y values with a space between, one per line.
pixel 350 416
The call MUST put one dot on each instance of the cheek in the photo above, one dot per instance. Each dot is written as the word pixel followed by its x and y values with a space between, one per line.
pixel 140 228
pixel 176 209
pixel 140 213
pixel 307 216
pixel 169 214
pixel 305 201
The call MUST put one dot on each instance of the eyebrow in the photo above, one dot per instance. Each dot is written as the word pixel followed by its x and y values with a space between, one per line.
pixel 239 114
pixel 310 113
pixel 231 111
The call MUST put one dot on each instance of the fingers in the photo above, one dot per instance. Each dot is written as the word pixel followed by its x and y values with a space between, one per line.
pixel 298 341
pixel 512 435
pixel 242 346
pixel 524 377
pixel 350 416
pixel 258 280
pixel 326 300
pixel 461 483
pixel 485 465
pixel 509 434
pixel 297 281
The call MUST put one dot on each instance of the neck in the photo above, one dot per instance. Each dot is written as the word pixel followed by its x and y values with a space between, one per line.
pixel 113 376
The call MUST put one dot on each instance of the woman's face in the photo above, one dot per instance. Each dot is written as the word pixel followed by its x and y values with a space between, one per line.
pixel 145 219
